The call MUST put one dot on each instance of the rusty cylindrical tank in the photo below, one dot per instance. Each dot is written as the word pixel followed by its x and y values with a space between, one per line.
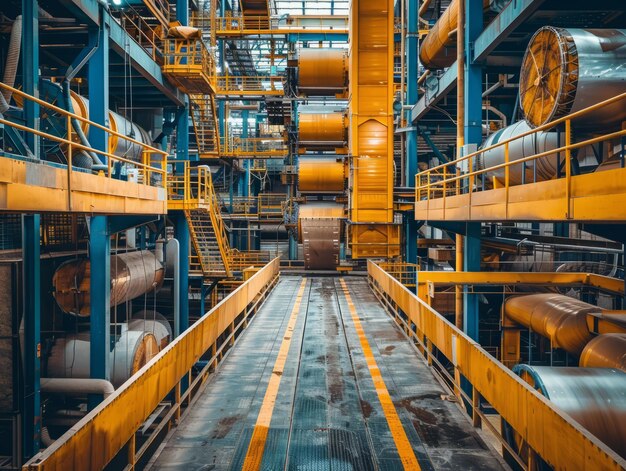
pixel 322 131
pixel 605 351
pixel 560 318
pixel 321 175
pixel 579 68
pixel 132 274
pixel 322 72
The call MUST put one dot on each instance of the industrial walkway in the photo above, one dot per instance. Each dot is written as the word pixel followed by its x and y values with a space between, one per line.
pixel 324 380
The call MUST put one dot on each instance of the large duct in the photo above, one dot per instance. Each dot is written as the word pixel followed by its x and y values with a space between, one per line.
pixel 605 351
pixel 322 72
pixel 579 68
pixel 70 357
pixel 13 58
pixel 544 168
pixel 560 318
pixel 322 131
pixel 438 49
pixel 593 397
pixel 132 274
pixel 321 175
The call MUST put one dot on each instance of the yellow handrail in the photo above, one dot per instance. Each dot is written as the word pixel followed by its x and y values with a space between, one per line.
pixel 437 176
pixel 145 166
pixel 104 432
pixel 552 434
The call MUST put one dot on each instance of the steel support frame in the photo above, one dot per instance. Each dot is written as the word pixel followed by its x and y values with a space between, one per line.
pixel 99 303
pixel 30 69
pixel 98 76
pixel 181 233
pixel 472 134
pixel 32 331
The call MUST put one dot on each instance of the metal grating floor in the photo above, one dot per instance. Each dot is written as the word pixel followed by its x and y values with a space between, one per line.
pixel 327 414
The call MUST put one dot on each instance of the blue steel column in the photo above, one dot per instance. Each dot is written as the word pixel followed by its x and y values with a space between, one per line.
pixel 182 123
pixel 472 135
pixel 98 76
pixel 181 233
pixel 410 165
pixel 30 69
pixel 99 303
pixel 32 330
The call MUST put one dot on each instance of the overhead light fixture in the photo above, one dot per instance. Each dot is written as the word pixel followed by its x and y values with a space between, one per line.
pixel 117 3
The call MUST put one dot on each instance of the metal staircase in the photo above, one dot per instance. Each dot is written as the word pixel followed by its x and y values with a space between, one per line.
pixel 204 119
pixel 210 243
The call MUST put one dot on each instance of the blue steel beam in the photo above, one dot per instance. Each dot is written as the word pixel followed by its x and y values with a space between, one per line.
pixel 32 332
pixel 99 303
pixel 181 233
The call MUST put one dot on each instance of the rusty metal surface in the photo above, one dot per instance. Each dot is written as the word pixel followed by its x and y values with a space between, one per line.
pixel 327 415
pixel 321 242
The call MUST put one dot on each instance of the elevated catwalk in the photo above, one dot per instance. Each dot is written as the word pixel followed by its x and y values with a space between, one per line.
pixel 324 380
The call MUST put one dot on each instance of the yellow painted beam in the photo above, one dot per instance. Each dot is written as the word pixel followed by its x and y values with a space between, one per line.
pixel 27 186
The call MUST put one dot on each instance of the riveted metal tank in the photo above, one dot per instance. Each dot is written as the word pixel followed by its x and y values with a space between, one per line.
pixel 322 72
pixel 593 397
pixel 560 318
pixel 132 274
pixel 544 168
pixel 321 175
pixel 567 70
pixel 605 351
pixel 69 356
pixel 322 131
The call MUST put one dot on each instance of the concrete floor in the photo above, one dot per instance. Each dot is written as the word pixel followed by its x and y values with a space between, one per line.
pixel 327 414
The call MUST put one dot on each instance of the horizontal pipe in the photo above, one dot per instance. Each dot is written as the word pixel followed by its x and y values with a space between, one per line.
pixel 77 386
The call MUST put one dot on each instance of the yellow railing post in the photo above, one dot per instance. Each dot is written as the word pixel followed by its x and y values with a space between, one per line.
pixel 69 161
pixel 507 173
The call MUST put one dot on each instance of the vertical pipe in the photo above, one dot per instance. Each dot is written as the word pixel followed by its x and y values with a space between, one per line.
pixel 32 331
pixel 460 133
pixel 181 233
pixel 99 304
pixel 182 123
pixel 98 76
pixel 30 69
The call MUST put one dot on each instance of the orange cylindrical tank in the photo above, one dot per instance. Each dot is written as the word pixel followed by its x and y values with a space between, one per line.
pixel 321 175
pixel 605 351
pixel 322 130
pixel 322 72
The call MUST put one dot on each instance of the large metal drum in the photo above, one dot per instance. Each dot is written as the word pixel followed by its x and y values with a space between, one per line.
pixel 70 356
pixel 593 397
pixel 132 274
pixel 322 131
pixel 321 175
pixel 605 351
pixel 543 168
pixel 567 70
pixel 322 72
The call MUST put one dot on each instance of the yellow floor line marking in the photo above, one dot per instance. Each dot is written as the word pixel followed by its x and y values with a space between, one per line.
pixel 407 456
pixel 254 456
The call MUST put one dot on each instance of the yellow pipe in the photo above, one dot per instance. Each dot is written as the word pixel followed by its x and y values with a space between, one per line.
pixel 438 48
pixel 605 351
